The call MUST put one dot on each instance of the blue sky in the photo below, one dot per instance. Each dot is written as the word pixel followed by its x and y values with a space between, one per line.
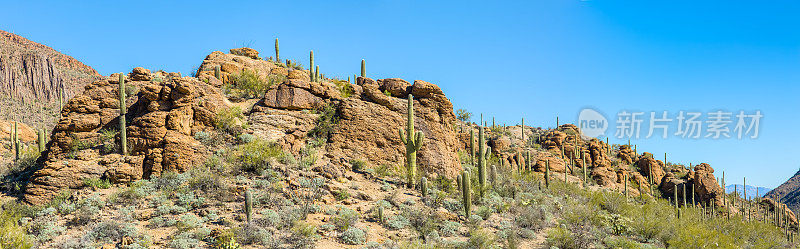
pixel 536 59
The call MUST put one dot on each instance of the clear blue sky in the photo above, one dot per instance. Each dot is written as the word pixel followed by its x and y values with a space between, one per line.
pixel 536 59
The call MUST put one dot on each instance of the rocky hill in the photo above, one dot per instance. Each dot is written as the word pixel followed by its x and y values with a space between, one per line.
pixel 260 153
pixel 788 192
pixel 32 79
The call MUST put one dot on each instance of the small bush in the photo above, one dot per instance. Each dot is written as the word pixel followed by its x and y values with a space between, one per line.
pixel 247 84
pixel 108 140
pixel 325 123
pixel 358 165
pixel 353 236
pixel 345 218
pixel 397 222
pixel 341 194
pixel 96 183
pixel 230 120
pixel 257 156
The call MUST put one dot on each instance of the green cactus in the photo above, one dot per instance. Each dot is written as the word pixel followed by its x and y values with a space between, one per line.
pixel 424 186
pixel 528 162
pixel 465 192
pixel 363 68
pixel 483 154
pixel 585 169
pixel 41 140
pixel 316 74
pixel 493 175
pixel 460 182
pixel 556 122
pixel 413 141
pixel 471 146
pixel 217 72
pixel 694 204
pixel 380 214
pixel 16 143
pixel 522 128
pixel 277 52
pixel 675 191
pixel 625 178
pixel 123 110
pixel 248 205
pixel 311 67
pixel 684 194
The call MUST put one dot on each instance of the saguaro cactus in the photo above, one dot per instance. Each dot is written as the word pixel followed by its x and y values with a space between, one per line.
pixel 311 67
pixel 277 52
pixel 248 205
pixel 483 154
pixel 522 129
pixel 123 110
pixel 413 141
pixel 471 146
pixel 424 186
pixel 363 68
pixel 217 72
pixel 380 214
pixel 465 192
pixel 460 182
pixel 15 142
pixel 41 140
pixel 493 176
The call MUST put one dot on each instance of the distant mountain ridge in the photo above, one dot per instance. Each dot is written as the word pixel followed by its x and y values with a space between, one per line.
pixel 751 190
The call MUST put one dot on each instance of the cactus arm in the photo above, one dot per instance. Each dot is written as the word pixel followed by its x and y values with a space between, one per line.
pixel 419 140
pixel 402 136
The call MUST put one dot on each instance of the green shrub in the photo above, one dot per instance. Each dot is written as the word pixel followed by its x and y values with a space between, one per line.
pixel 397 222
pixel 358 165
pixel 230 120
pixel 256 156
pixel 12 235
pixel 344 219
pixel 353 236
pixel 96 183
pixel 341 194
pixel 325 123
pixel 247 84
pixel 345 88
pixel 108 140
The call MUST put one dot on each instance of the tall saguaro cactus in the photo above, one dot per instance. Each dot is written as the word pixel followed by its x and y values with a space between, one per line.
pixel 466 198
pixel 15 143
pixel 311 67
pixel 413 141
pixel 277 52
pixel 363 68
pixel 471 146
pixel 248 205
pixel 41 140
pixel 483 154
pixel 123 110
pixel 217 72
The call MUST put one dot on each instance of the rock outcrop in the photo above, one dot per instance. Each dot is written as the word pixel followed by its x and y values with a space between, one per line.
pixel 164 112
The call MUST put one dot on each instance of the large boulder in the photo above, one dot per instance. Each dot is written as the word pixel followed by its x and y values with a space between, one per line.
pixel 705 184
pixel 647 165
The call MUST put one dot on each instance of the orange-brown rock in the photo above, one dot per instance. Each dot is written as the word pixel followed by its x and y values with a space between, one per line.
pixel 395 86
pixel 162 118
pixel 646 162
pixel 705 184
pixel 625 154
pixel 247 52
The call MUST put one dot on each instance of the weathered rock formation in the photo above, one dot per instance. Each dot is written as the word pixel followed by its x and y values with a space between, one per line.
pixel 164 112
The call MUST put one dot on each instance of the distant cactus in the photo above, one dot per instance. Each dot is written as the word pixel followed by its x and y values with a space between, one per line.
pixel 248 205
pixel 625 178
pixel 493 175
pixel 585 169
pixel 277 52
pixel 316 74
pixel 684 194
pixel 123 110
pixel 413 141
pixel 217 72
pixel 424 186
pixel 471 146
pixel 41 140
pixel 15 142
pixel 363 68
pixel 460 182
pixel 522 128
pixel 556 122
pixel 311 67
pixel 465 192
pixel 380 214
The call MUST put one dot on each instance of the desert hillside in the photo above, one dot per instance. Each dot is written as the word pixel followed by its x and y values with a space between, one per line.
pixel 252 152
pixel 33 77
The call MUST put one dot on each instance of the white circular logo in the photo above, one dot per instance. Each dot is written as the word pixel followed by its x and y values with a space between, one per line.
pixel 592 123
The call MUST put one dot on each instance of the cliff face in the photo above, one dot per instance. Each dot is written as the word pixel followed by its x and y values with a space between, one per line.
pixel 32 76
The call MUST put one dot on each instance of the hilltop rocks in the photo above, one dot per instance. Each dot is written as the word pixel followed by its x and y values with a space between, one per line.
pixel 163 116
pixel 626 154
pixel 706 185
pixel 247 52
pixel 648 165
pixel 395 86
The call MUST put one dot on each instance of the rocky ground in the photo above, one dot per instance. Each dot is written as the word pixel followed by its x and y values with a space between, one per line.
pixel 322 164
